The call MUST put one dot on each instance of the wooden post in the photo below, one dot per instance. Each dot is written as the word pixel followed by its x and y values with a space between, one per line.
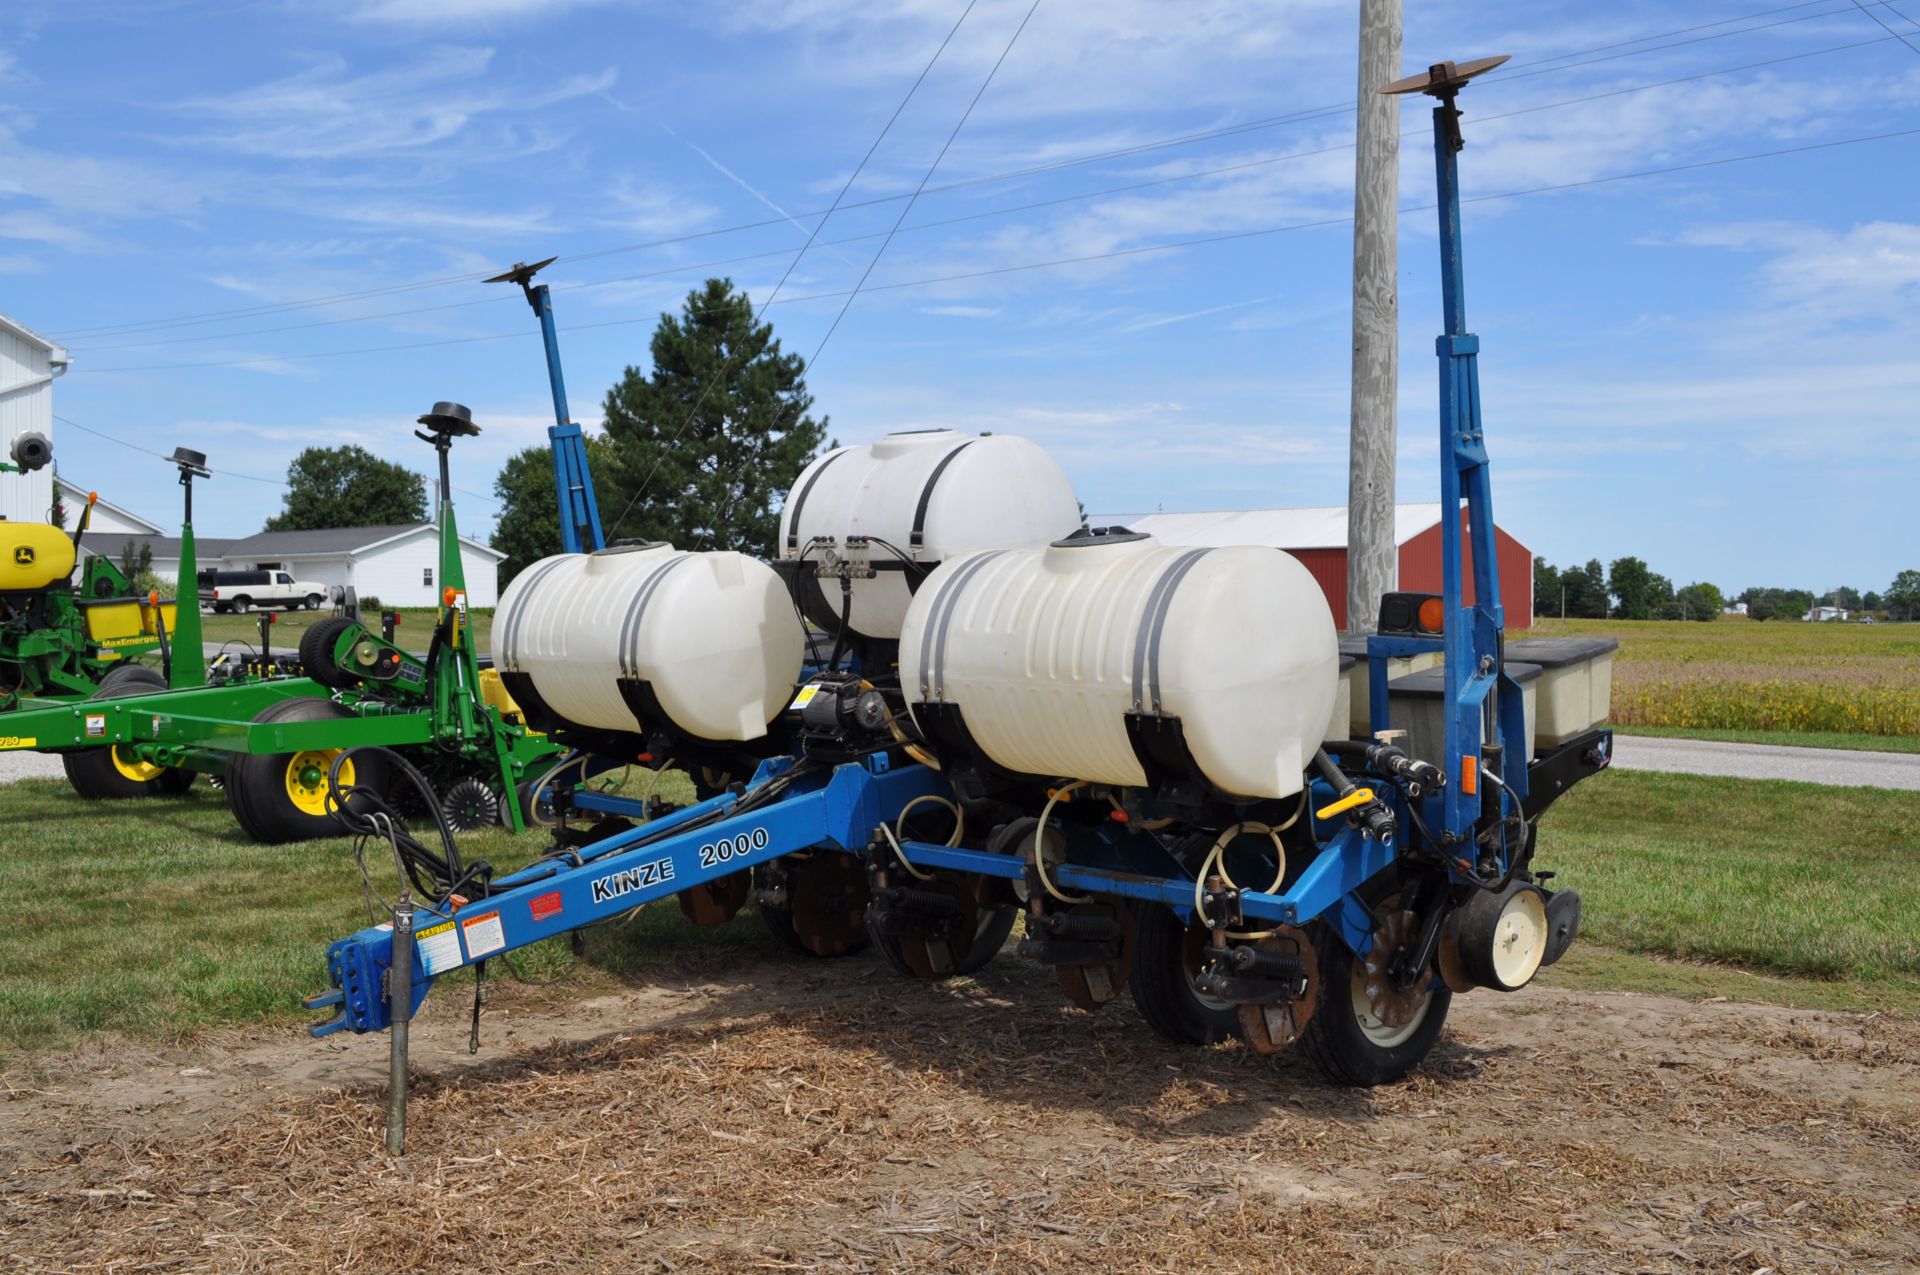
pixel 1372 556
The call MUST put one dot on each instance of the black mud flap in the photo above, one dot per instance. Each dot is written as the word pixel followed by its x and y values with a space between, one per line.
pixel 1550 777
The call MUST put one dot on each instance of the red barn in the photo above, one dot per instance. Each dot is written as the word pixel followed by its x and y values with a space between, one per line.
pixel 1318 538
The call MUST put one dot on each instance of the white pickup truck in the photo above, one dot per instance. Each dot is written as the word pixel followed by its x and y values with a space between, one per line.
pixel 244 590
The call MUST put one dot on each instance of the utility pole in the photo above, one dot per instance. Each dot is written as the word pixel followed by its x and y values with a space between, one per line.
pixel 1372 556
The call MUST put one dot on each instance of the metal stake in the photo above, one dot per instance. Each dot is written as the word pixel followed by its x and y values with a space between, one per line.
pixel 399 1011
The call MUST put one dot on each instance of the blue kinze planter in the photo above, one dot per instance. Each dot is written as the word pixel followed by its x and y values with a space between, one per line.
pixel 972 749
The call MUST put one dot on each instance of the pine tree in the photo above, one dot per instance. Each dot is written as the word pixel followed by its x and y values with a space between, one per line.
pixel 707 444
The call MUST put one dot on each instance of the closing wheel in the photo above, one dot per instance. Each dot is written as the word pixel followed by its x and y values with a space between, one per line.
pixel 113 774
pixel 1366 1031
pixel 1167 957
pixel 963 943
pixel 825 911
pixel 280 797
pixel 469 804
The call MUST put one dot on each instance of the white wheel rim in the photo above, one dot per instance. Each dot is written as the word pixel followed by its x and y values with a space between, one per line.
pixel 1370 1025
pixel 1520 939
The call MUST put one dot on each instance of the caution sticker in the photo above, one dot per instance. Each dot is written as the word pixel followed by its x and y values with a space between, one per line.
pixel 542 906
pixel 439 948
pixel 484 935
pixel 96 725
pixel 805 697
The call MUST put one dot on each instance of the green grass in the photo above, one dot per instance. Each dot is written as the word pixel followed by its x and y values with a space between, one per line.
pixel 157 920
pixel 1789 879
pixel 1796 738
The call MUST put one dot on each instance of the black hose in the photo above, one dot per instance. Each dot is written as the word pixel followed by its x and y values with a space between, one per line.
pixel 365 813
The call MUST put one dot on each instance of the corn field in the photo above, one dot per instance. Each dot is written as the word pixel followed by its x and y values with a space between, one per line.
pixel 1736 674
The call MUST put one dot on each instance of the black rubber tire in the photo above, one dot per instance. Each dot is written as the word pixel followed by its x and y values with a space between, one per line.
pixel 313 602
pixel 1338 1047
pixel 91 771
pixel 1162 991
pixel 256 786
pixel 316 652
pixel 242 604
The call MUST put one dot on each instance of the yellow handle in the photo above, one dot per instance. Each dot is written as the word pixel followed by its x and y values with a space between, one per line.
pixel 1358 797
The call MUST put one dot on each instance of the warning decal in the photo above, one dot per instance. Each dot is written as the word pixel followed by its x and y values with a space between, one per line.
pixel 545 905
pixel 96 725
pixel 484 935
pixel 439 948
pixel 805 697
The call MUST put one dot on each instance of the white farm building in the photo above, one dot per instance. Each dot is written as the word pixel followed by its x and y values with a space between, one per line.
pixel 399 565
pixel 28 364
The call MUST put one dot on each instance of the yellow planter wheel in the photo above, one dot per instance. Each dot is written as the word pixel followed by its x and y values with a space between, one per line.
pixel 307 777
pixel 113 772
pixel 134 770
pixel 280 797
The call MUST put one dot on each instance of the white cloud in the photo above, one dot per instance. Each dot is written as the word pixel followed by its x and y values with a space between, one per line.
pixel 329 112
pixel 459 12
pixel 1868 271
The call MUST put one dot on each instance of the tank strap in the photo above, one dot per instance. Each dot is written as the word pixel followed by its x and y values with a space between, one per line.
pixel 918 535
pixel 510 640
pixel 629 647
pixel 800 501
pixel 933 639
pixel 1146 644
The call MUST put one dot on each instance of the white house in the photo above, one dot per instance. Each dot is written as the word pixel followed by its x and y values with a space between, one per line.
pixel 111 526
pixel 1820 615
pixel 28 364
pixel 399 565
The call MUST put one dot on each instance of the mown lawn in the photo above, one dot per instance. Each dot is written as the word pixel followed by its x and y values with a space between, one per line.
pixel 1786 878
pixel 156 919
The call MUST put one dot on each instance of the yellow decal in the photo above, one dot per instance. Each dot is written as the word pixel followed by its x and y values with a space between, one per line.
pixel 17 741
pixel 805 697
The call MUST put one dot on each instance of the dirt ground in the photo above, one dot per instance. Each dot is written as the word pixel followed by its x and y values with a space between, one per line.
pixel 833 1117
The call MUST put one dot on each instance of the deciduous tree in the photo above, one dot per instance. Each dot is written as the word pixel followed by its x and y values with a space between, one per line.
pixel 349 487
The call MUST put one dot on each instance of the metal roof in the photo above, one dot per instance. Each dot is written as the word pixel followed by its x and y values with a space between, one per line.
pixel 1323 527
pixel 80 494
pixel 26 333
pixel 300 544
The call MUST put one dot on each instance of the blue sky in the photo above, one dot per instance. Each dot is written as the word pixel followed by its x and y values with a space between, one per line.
pixel 1714 369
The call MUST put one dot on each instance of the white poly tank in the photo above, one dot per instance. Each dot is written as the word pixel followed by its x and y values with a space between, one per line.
pixel 928 495
pixel 713 634
pixel 1046 651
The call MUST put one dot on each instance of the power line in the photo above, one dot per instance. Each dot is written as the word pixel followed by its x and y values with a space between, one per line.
pixel 100 433
pixel 924 179
pixel 1140 250
pixel 1900 36
pixel 694 267
pixel 1298 116
pixel 754 319
pixel 224 473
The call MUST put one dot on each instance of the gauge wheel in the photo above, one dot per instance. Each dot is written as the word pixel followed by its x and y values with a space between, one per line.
pixel 1364 1031
pixel 280 797
pixel 114 773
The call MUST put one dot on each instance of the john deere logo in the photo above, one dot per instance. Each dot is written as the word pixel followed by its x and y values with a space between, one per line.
pixel 23 555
